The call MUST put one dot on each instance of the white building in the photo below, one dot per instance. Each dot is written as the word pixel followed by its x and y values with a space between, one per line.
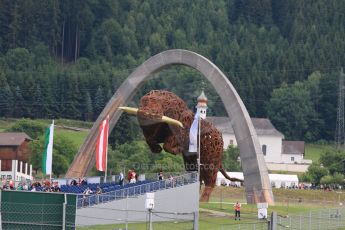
pixel 280 155
pixel 277 180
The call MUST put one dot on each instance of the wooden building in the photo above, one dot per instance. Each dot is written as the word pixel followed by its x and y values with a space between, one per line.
pixel 14 156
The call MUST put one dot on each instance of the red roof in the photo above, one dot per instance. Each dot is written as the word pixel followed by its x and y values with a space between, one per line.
pixel 13 139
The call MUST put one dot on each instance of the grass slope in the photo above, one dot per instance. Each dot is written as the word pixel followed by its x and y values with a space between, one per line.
pixel 76 131
pixel 314 151
pixel 77 137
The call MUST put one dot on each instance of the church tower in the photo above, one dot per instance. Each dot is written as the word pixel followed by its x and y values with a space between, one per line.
pixel 202 105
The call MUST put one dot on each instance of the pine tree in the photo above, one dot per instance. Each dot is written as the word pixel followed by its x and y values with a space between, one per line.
pixel 37 104
pixel 6 98
pixel 18 103
pixel 72 99
pixel 99 102
pixel 88 110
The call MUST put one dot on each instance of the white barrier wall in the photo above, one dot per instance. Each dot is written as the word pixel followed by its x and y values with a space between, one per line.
pixel 183 199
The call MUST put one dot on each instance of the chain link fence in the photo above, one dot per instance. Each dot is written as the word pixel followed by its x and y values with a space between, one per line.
pixel 244 226
pixel 314 220
pixel 160 221
pixel 325 219
pixel 35 210
pixel 36 216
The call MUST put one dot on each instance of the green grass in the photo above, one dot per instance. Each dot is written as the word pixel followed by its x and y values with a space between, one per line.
pixel 249 211
pixel 75 123
pixel 77 137
pixel 310 198
pixel 314 151
pixel 6 123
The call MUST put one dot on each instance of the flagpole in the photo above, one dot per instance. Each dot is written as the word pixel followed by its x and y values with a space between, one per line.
pixel 50 175
pixel 199 173
pixel 199 160
pixel 106 153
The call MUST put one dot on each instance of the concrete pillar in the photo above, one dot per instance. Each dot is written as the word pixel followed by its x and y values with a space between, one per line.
pixel 21 167
pixel 26 168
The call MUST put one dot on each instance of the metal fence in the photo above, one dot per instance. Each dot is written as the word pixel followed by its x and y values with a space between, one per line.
pixel 244 226
pixel 314 220
pixel 325 219
pixel 84 201
pixel 36 216
pixel 28 210
pixel 159 221
pixel 154 176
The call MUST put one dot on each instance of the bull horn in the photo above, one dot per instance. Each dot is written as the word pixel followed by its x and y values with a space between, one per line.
pixel 168 120
pixel 129 110
pixel 171 121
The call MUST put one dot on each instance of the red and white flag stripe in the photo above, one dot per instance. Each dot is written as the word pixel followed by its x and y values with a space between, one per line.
pixel 102 145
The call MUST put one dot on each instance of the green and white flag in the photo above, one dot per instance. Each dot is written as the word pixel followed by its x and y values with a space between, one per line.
pixel 47 157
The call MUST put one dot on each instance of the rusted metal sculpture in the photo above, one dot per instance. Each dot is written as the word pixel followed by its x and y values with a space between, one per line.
pixel 165 118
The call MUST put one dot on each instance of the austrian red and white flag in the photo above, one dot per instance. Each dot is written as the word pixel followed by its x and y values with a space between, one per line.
pixel 102 145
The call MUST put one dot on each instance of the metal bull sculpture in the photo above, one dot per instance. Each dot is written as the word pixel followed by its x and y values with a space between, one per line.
pixel 165 119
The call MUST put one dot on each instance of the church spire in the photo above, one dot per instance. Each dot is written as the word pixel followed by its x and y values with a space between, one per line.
pixel 202 105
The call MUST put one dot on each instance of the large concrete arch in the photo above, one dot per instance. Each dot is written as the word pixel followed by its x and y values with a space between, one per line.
pixel 256 181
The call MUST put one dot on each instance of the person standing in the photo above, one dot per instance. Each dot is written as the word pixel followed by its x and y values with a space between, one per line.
pixel 133 177
pixel 160 175
pixel 237 207
pixel 121 178
pixel 98 190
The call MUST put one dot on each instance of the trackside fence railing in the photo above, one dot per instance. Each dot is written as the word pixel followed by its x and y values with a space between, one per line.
pixel 314 220
pixel 324 219
pixel 92 199
pixel 37 210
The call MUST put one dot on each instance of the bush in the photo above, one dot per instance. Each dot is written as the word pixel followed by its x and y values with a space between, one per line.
pixel 32 128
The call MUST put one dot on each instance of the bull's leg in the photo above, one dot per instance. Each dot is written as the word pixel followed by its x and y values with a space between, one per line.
pixel 206 194
pixel 209 177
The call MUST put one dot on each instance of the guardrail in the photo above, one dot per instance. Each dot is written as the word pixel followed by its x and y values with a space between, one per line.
pixel 133 191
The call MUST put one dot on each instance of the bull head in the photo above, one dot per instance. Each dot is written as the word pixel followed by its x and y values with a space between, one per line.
pixel 153 116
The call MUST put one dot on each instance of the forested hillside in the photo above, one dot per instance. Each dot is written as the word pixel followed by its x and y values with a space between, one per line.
pixel 65 59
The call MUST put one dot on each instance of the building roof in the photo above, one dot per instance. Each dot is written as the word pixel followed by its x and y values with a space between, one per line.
pixel 202 97
pixel 13 139
pixel 263 126
pixel 293 147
